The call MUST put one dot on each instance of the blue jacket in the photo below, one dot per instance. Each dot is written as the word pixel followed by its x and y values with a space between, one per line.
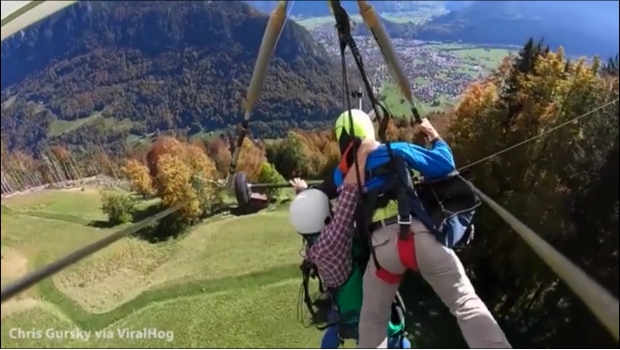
pixel 434 163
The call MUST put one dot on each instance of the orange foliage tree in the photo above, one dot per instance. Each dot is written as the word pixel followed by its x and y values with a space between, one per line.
pixel 139 177
pixel 163 145
pixel 251 156
pixel 547 182
pixel 219 150
pixel 184 175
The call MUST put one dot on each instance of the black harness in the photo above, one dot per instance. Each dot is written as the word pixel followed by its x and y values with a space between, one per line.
pixel 441 199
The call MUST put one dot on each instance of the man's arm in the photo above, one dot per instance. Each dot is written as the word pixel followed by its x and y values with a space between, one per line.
pixel 431 163
pixel 437 161
pixel 331 253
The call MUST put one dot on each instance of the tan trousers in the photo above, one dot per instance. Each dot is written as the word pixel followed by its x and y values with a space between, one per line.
pixel 443 270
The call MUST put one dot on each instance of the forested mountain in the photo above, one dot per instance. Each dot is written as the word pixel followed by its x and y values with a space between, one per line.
pixel 581 27
pixel 125 67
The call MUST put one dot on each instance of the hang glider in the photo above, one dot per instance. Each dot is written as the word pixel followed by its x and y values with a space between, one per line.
pixel 17 15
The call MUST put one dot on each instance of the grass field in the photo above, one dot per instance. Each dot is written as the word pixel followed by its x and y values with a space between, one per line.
pixel 421 16
pixel 487 58
pixel 231 282
pixel 398 106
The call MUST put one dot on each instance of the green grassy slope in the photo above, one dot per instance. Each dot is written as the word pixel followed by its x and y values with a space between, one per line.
pixel 218 286
pixel 229 282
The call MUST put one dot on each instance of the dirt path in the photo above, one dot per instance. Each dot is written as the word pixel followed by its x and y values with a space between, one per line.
pixel 14 264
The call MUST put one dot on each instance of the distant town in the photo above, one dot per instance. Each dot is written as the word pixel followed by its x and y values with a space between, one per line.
pixel 438 72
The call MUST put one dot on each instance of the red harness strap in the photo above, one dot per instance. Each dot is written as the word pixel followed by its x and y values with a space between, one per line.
pixel 387 276
pixel 406 253
pixel 342 165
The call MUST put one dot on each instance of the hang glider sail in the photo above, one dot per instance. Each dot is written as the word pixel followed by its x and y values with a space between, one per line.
pixel 17 15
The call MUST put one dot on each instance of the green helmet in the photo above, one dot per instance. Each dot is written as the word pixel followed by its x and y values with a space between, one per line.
pixel 362 125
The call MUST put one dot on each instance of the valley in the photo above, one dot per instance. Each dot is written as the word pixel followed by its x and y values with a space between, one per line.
pixel 142 99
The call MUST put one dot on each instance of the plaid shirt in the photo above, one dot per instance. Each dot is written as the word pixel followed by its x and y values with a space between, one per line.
pixel 332 251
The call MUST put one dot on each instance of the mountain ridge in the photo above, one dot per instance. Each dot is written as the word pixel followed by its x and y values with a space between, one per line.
pixel 581 27
pixel 149 67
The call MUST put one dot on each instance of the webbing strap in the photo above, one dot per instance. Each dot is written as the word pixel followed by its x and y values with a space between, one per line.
pixel 368 209
pixel 343 25
pixel 308 271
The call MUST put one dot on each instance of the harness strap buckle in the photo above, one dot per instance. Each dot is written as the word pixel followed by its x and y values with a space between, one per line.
pixel 406 221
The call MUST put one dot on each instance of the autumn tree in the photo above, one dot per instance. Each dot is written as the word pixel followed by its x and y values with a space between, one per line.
pixel 163 145
pixel 292 156
pixel 139 177
pixel 186 177
pixel 174 186
pixel 218 149
pixel 251 157
pixel 62 157
pixel 269 174
pixel 545 182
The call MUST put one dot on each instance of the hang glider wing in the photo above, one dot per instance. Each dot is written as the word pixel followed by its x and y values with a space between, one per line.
pixel 17 15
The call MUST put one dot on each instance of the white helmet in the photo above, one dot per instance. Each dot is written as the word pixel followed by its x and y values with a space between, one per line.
pixel 309 212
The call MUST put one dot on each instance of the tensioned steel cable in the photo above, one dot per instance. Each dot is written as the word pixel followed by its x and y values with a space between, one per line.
pixel 544 133
pixel 48 270
pixel 601 303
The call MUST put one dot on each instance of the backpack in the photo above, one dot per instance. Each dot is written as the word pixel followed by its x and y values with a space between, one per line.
pixel 445 204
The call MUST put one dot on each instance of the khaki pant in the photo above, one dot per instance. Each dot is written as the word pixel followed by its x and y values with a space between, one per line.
pixel 443 270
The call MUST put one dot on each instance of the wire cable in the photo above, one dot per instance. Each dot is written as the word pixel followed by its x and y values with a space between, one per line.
pixel 538 136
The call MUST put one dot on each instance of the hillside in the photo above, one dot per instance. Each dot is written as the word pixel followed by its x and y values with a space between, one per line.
pixel 237 277
pixel 107 70
pixel 581 27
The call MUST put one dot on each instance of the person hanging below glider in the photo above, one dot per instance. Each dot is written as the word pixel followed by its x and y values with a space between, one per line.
pixel 442 212
pixel 322 193
pixel 338 257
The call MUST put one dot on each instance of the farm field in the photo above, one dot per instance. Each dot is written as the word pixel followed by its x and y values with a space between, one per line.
pixel 471 56
pixel 418 17
pixel 440 72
